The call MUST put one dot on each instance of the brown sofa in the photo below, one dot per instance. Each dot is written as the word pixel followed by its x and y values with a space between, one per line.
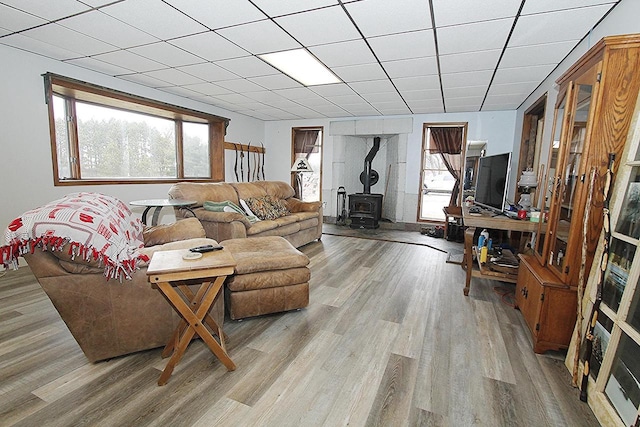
pixel 106 317
pixel 303 225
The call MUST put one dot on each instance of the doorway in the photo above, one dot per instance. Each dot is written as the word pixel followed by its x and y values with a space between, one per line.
pixel 443 152
pixel 306 142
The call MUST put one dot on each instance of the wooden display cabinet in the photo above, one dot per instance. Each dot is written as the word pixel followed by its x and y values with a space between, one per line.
pixel 593 112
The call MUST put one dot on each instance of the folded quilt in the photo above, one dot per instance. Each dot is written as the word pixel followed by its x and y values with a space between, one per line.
pixel 97 227
pixel 229 206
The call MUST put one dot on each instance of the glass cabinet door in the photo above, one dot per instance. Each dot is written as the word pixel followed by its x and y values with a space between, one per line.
pixel 550 181
pixel 571 176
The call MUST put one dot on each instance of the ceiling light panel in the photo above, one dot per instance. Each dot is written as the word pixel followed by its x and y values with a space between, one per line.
pixel 300 65
pixel 321 26
pixel 404 46
pixel 260 37
pixel 456 12
pixel 217 14
pixel 382 17
pixel 154 17
pixel 108 29
pixel 209 46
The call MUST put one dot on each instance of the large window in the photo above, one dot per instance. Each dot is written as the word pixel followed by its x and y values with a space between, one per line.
pixel 103 136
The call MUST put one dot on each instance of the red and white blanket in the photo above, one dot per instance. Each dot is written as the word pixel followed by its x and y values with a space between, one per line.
pixel 98 227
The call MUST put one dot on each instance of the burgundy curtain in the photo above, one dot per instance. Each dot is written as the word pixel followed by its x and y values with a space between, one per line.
pixel 448 142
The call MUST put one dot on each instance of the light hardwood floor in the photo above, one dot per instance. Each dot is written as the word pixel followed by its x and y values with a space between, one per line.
pixel 388 339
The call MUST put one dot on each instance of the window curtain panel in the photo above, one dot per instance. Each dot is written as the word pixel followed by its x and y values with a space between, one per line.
pixel 305 142
pixel 448 142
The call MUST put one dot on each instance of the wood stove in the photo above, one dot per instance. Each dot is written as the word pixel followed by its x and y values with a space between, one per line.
pixel 365 209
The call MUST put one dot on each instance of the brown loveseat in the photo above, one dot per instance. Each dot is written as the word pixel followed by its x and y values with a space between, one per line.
pixel 106 317
pixel 301 226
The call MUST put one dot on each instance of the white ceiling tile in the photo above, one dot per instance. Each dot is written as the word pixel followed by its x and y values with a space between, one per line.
pixel 355 73
pixel 379 17
pixel 276 81
pixel 417 83
pixel 298 94
pixel 100 66
pixel 474 37
pixel 556 26
pixel 499 106
pixel 521 89
pixel 426 106
pixel 16 20
pixel 464 108
pixel 346 99
pixel 474 78
pixel 167 54
pixel 522 74
pixel 4 31
pixel 470 61
pixel 472 101
pixel 321 26
pixel 154 17
pixel 145 80
pixel 130 61
pixel 97 3
pixel 36 46
pixel 209 46
pixel 248 66
pixel 464 91
pixel 331 110
pixel 49 10
pixel 550 53
pixel 373 86
pixel 540 6
pixel 332 89
pixel 175 77
pixel 333 55
pixel 507 98
pixel 217 14
pixel 70 39
pixel 284 7
pixel 108 29
pixel 235 98
pixel 266 96
pixel 259 37
pixel 456 12
pixel 417 95
pixel 181 91
pixel 208 72
pixel 376 98
pixel 240 85
pixel 357 110
pixel 207 89
pixel 403 46
pixel 392 108
pixel 411 67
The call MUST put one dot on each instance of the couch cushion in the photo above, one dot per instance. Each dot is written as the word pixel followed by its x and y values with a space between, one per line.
pixel 283 231
pixel 268 279
pixel 277 189
pixel 187 228
pixel 245 190
pixel 255 254
pixel 203 191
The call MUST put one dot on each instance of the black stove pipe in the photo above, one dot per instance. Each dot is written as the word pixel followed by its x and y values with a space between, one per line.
pixel 367 165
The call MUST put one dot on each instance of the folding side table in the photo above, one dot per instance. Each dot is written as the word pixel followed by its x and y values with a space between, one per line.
pixel 171 274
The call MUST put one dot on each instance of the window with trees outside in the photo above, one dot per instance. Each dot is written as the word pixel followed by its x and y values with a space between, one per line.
pixel 103 136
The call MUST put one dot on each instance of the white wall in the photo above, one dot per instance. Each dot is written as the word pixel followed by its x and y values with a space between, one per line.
pixel 622 20
pixel 26 171
pixel 496 127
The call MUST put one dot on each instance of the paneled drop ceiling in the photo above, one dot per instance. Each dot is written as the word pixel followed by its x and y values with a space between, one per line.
pixel 393 56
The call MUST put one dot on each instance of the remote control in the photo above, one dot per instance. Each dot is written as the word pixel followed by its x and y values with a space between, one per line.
pixel 205 248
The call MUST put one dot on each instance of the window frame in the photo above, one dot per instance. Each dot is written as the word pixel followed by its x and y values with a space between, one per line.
pixel 72 90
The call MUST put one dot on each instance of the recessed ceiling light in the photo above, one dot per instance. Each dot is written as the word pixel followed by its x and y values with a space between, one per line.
pixel 301 66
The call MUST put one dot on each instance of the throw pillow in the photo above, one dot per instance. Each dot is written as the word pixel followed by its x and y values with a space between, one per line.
pixel 267 207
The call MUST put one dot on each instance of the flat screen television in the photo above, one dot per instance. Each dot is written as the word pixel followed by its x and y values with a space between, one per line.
pixel 491 181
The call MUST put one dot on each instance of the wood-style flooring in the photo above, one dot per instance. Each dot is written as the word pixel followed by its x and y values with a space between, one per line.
pixel 388 339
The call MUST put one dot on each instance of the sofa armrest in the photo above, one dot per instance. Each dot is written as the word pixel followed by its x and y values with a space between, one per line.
pixel 297 205
pixel 183 229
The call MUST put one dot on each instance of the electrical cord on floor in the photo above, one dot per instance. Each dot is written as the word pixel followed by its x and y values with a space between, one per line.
pixel 506 293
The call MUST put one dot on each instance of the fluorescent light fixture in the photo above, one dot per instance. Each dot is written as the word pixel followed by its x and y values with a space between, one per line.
pixel 301 66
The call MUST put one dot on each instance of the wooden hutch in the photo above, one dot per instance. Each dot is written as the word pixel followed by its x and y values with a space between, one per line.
pixel 593 112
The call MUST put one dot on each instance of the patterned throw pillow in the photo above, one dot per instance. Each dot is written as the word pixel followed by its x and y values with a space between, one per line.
pixel 267 207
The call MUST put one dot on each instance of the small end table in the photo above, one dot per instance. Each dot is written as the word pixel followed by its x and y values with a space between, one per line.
pixel 171 275
pixel 159 204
